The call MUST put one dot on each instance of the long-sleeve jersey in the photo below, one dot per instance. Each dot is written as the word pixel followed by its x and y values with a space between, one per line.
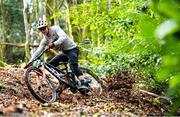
pixel 57 36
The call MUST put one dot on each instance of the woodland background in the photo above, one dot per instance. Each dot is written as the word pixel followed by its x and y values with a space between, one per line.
pixel 113 35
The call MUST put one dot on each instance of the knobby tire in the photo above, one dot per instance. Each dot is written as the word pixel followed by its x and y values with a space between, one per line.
pixel 46 78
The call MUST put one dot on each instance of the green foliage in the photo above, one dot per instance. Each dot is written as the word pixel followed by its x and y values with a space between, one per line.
pixel 14 27
pixel 2 86
pixel 126 38
pixel 135 34
pixel 104 23
pixel 2 64
pixel 15 56
pixel 14 20
pixel 168 34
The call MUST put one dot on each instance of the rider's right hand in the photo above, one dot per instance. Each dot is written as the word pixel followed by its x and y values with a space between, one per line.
pixel 51 45
pixel 26 66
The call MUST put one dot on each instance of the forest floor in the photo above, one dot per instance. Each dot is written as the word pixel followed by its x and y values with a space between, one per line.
pixel 119 99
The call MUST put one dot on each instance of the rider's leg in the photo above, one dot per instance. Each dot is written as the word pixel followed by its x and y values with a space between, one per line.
pixel 58 58
pixel 73 61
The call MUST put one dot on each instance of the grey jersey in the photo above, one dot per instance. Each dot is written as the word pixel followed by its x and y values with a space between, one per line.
pixel 57 36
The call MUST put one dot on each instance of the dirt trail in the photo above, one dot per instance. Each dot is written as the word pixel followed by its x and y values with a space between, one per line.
pixel 119 99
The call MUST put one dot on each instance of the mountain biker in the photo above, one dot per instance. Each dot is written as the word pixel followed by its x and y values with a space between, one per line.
pixel 56 38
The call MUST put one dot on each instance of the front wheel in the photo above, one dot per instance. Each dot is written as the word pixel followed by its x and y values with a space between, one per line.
pixel 40 86
pixel 94 83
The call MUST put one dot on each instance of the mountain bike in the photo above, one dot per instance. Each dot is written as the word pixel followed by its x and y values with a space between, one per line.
pixel 45 81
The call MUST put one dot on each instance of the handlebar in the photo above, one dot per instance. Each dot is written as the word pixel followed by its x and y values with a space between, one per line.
pixel 37 57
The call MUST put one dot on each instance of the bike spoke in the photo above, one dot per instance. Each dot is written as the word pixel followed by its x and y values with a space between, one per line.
pixel 95 87
pixel 39 85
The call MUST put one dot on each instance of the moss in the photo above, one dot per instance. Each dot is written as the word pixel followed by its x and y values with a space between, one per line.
pixel 2 64
pixel 2 86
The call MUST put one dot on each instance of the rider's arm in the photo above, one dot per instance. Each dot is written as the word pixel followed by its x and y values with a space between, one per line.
pixel 61 34
pixel 41 47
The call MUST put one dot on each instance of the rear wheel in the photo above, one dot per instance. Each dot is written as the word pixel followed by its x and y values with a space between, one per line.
pixel 40 86
pixel 94 84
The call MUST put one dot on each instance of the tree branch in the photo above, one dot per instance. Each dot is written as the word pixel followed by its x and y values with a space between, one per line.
pixel 61 4
pixel 22 45
pixel 156 95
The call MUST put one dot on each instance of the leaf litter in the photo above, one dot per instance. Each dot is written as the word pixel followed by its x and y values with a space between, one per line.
pixel 118 99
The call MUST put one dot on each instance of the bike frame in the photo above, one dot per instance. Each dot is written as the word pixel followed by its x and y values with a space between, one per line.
pixel 58 79
pixel 59 74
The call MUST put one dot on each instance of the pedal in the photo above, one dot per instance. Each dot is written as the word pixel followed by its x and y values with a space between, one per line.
pixel 85 82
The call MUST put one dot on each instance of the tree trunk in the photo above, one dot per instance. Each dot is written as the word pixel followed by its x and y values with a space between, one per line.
pixel 27 29
pixel 52 8
pixel 109 5
pixel 56 10
pixel 120 2
pixel 42 9
pixel 97 32
pixel 68 20
pixel 84 27
pixel 3 28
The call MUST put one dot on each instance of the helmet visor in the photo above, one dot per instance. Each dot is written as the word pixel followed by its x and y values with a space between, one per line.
pixel 43 28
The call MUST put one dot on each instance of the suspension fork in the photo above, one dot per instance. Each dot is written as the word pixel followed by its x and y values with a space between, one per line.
pixel 42 68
